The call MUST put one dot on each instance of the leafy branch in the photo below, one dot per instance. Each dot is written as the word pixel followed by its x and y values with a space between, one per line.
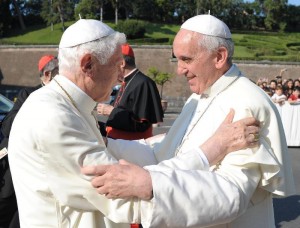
pixel 160 78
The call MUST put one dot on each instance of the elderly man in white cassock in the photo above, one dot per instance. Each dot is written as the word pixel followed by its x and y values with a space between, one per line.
pixel 238 191
pixel 55 133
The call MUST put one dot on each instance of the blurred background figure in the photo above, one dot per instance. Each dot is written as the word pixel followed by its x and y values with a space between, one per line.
pixel 279 97
pixel 288 87
pixel 294 98
pixel 137 105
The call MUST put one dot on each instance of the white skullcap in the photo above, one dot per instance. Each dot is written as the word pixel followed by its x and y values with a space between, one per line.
pixel 208 25
pixel 84 31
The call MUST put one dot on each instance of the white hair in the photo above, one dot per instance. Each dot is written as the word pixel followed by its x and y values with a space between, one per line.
pixel 102 49
pixel 212 43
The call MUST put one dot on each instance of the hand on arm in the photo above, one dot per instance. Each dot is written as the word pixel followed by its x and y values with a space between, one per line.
pixel 231 136
pixel 123 180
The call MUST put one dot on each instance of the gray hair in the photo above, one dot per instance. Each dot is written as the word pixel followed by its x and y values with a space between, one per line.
pixel 102 49
pixel 50 66
pixel 212 43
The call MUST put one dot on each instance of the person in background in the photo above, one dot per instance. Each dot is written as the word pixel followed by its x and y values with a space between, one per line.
pixel 48 68
pixel 238 190
pixel 55 133
pixel 259 83
pixel 137 105
pixel 265 83
pixel 273 85
pixel 288 87
pixel 279 80
pixel 294 98
pixel 296 82
pixel 279 97
pixel 268 91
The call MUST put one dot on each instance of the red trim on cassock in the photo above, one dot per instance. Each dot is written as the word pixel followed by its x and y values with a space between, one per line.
pixel 119 134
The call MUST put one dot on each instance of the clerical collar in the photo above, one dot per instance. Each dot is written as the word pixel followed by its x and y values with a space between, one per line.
pixel 84 102
pixel 127 76
pixel 223 82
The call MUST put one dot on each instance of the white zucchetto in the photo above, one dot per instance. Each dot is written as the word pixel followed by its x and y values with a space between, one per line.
pixel 84 31
pixel 208 25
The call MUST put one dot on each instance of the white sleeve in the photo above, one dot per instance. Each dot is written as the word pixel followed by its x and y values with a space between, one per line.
pixel 191 159
pixel 140 153
pixel 134 151
pixel 66 149
pixel 198 197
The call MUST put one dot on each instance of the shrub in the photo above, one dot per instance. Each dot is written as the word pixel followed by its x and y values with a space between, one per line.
pixel 279 52
pixel 132 28
pixel 294 46
pixel 151 40
pixel 258 54
pixel 160 78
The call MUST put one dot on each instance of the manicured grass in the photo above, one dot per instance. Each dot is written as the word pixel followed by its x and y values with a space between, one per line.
pixel 267 46
pixel 248 45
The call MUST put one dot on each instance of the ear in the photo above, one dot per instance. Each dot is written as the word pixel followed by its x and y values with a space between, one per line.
pixel 123 64
pixel 221 59
pixel 86 63
pixel 47 74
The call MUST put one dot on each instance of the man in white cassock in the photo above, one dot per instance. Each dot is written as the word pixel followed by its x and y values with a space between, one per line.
pixel 238 191
pixel 55 133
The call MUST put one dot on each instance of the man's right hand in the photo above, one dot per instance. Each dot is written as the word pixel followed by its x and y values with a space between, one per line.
pixel 122 180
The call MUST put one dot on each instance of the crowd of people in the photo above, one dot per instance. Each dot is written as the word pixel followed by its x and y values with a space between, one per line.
pixel 281 90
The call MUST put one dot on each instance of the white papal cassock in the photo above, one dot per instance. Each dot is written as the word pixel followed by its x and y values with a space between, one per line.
pixel 238 192
pixel 46 154
pixel 50 140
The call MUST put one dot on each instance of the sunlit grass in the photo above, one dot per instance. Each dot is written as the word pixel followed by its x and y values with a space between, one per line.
pixel 248 45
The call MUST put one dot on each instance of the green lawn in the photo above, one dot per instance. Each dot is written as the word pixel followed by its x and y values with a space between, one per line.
pixel 248 45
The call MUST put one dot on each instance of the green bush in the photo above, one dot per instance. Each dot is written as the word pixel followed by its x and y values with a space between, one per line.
pixel 279 52
pixel 132 28
pixel 160 78
pixel 243 40
pixel 294 46
pixel 258 54
pixel 149 40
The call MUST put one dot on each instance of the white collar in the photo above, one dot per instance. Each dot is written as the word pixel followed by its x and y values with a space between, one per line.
pixel 83 102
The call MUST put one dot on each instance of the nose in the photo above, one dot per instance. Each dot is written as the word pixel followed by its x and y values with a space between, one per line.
pixel 181 70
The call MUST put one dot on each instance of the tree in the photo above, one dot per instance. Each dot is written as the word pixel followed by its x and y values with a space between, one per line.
pixel 5 17
pixel 293 18
pixel 185 9
pixel 144 10
pixel 275 10
pixel 274 13
pixel 31 10
pixel 18 12
pixel 90 9
pixel 54 11
pixel 164 10
pixel 160 78
pixel 101 4
pixel 115 6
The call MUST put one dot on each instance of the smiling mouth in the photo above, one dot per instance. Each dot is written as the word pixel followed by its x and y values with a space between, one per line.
pixel 188 78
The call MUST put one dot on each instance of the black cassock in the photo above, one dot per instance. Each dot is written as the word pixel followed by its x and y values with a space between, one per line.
pixel 137 107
